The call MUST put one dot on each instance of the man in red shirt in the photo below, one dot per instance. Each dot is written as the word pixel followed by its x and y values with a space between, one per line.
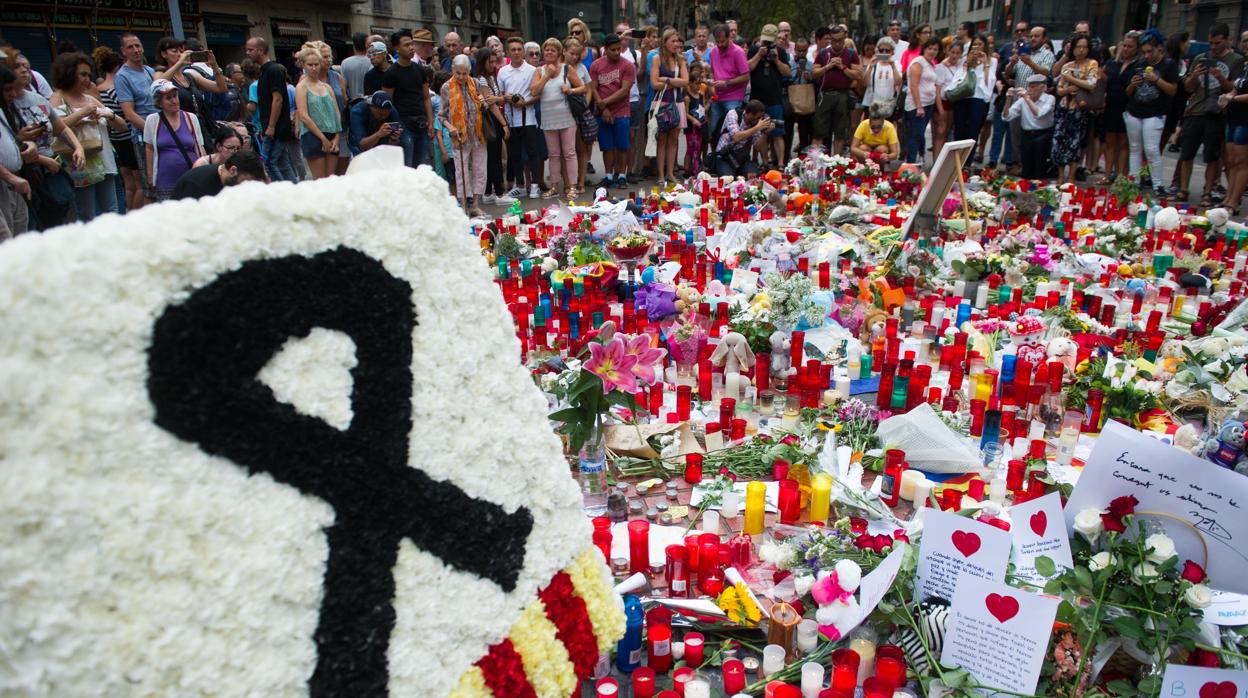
pixel 837 68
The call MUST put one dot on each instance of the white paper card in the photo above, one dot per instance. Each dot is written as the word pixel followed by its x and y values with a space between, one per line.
pixel 999 634
pixel 660 538
pixel 1213 500
pixel 876 583
pixel 1182 681
pixel 955 548
pixel 744 281
pixel 1227 608
pixel 1038 530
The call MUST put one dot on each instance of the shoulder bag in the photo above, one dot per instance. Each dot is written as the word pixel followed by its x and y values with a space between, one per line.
pixel 965 88
pixel 576 103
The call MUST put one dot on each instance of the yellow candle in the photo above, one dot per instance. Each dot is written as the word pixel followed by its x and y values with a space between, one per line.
pixel 821 495
pixel 755 504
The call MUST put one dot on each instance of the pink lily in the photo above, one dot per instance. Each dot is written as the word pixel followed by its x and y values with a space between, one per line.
pixel 648 357
pixel 612 365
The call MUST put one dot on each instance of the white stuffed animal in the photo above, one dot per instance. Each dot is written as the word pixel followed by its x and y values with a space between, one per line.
pixel 780 363
pixel 839 612
pixel 733 353
pixel 1064 350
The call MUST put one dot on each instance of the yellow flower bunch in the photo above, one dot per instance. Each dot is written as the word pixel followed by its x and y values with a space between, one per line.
pixel 739 605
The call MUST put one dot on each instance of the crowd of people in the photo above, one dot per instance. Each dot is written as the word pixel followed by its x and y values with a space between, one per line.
pixel 113 130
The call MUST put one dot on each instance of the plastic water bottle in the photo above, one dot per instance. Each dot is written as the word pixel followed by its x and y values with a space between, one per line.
pixel 593 477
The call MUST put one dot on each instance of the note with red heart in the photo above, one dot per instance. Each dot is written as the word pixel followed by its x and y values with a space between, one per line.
pixel 999 633
pixel 1038 532
pixel 1199 682
pixel 954 547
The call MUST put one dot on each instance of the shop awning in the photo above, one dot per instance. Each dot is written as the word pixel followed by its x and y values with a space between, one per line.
pixel 292 27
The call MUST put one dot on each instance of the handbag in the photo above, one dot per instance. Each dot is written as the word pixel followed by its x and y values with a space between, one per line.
pixel 576 103
pixel 965 88
pixel 589 127
pixel 51 196
pixel 666 116
pixel 802 98
pixel 1093 99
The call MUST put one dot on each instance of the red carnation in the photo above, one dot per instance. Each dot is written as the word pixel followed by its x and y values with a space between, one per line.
pixel 864 541
pixel 880 542
pixel 790 440
pixel 1193 572
pixel 1122 506
pixel 1112 524
pixel 1204 658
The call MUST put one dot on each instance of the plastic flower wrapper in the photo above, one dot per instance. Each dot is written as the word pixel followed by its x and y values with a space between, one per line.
pixel 657 299
pixel 686 335
pixel 791 301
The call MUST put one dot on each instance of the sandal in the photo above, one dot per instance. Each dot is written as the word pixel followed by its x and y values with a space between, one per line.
pixel 1107 179
pixel 1206 201
pixel 550 193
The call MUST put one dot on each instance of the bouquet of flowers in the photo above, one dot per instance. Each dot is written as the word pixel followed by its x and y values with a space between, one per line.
pixel 791 301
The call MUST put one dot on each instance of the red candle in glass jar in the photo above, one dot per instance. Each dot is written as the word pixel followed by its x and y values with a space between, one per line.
pixel 684 401
pixel 693 468
pixel 704 381
pixel 876 687
pixel 734 676
pixel 789 502
pixel 780 469
pixel 834 693
pixel 1015 473
pixel 638 546
pixel 762 372
pixel 677 571
pixel 695 649
pixel 659 648
pixel 607 688
pixel 656 399
pixel 741 547
pixel 708 559
pixel 738 430
pixel 796 348
pixel 643 682
pixel 727 408
pixel 680 677
pixel 602 541
pixel 845 669
pixel 892 670
pixel 691 546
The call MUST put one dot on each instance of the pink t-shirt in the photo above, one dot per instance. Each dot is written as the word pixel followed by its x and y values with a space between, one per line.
pixel 726 66
pixel 611 78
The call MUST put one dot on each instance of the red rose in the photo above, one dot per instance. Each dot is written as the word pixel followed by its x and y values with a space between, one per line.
pixel 864 541
pixel 1193 572
pixel 901 538
pixel 1113 524
pixel 1204 658
pixel 779 576
pixel 880 542
pixel 798 606
pixel 1123 506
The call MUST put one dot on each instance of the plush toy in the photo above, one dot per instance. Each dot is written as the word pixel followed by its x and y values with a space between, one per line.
pixel 1186 438
pixel 1063 350
pixel 838 612
pixel 1026 335
pixel 687 298
pixel 733 353
pixel 1218 218
pixel 1167 219
pixel 780 362
pixel 873 326
pixel 1227 448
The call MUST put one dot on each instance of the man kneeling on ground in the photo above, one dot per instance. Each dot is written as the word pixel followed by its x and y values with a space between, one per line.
pixel 208 180
pixel 875 139
pixel 743 128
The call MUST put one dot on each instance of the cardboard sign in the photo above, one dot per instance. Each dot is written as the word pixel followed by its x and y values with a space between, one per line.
pixel 1038 531
pixel 1211 501
pixel 1198 682
pixel 955 548
pixel 999 634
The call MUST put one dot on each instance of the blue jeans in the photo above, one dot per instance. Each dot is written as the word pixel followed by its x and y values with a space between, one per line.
pixel 1000 134
pixel 415 144
pixel 277 162
pixel 968 119
pixel 96 199
pixel 913 140
pixel 719 110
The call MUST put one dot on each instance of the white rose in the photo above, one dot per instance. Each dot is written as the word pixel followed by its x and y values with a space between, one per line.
pixel 1162 547
pixel 1088 524
pixel 1101 561
pixel 1144 571
pixel 1198 596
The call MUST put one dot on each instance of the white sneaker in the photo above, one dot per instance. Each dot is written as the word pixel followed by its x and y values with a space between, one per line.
pixel 516 192
pixel 534 192
pixel 503 200
pixel 488 200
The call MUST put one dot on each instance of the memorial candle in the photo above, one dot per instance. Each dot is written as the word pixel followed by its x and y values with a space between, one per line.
pixel 734 676
pixel 820 497
pixel 708 562
pixel 659 647
pixel 789 502
pixel 695 646
pixel 643 682
pixel 755 501
pixel 638 546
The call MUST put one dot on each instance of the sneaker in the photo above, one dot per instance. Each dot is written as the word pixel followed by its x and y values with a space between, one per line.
pixel 489 200
pixel 621 182
pixel 503 200
pixel 534 191
pixel 516 192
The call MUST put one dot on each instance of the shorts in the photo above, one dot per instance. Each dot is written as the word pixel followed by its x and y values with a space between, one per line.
pixel 832 114
pixel 310 145
pixel 613 136
pixel 776 112
pixel 1111 120
pixel 1205 130
pixel 124 151
pixel 1237 134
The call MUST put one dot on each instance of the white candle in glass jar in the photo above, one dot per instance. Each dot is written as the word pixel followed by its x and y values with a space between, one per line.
pixel 730 505
pixel 807 636
pixel 698 687
pixel 812 680
pixel 773 659
pixel 866 657
pixel 909 482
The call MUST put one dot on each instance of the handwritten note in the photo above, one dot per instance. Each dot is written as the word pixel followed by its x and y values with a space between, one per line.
pixel 1227 608
pixel 1182 681
pixel 955 548
pixel 877 582
pixel 1038 530
pixel 999 634
pixel 1211 501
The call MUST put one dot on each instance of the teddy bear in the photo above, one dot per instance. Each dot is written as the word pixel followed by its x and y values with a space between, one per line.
pixel 780 361
pixel 1227 448
pixel 733 353
pixel 1063 350
pixel 1026 335
pixel 838 612
pixel 687 298
pixel 873 326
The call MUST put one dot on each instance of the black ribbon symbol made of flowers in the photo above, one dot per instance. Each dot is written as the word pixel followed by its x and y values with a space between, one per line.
pixel 203 363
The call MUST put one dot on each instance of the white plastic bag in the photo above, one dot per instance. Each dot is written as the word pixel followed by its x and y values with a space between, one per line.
pixel 929 444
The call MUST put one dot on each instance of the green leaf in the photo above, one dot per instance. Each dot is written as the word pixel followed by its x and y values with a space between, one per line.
pixel 1084 578
pixel 566 415
pixel 1128 626
pixel 1045 566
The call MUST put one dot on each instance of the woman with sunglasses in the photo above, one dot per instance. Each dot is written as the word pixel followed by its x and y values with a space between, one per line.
pixel 918 38
pixel 883 80
pixel 579 30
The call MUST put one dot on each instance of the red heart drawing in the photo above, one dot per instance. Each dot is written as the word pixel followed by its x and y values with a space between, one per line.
pixel 966 542
pixel 1226 689
pixel 1006 607
pixel 1039 522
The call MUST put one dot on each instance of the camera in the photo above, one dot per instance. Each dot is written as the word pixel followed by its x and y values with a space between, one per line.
pixel 638 33
pixel 1208 62
pixel 515 99
pixel 199 56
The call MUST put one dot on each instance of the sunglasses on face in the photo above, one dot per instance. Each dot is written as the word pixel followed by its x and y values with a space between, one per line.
pixel 885 53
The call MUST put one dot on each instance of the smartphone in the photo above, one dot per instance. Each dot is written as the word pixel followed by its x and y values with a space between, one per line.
pixel 638 33
pixel 395 126
pixel 199 56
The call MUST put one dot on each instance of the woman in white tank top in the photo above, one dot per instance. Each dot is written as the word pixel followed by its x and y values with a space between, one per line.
pixel 921 77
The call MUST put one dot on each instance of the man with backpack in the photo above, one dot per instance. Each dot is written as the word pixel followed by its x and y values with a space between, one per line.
pixel 837 68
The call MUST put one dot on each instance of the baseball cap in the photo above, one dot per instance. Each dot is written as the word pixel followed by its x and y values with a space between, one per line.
pixel 1037 78
pixel 837 29
pixel 380 99
pixel 159 86
pixel 422 36
pixel 376 47
pixel 769 32
pixel 610 39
